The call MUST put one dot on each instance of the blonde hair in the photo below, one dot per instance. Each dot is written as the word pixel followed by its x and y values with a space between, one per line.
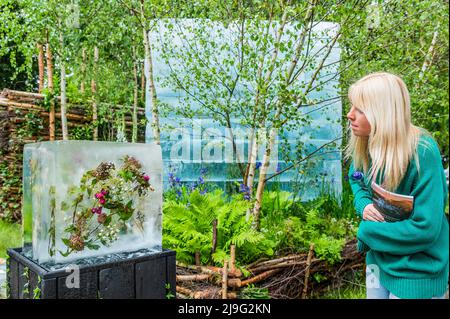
pixel 393 139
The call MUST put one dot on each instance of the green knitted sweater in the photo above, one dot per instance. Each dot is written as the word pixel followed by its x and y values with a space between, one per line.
pixel 412 255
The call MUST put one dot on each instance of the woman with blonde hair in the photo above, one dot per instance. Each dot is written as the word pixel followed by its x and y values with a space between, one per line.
pixel 407 258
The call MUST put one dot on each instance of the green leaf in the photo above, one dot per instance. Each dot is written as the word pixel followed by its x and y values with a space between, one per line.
pixel 70 228
pixel 92 246
pixel 107 221
pixel 66 241
pixel 64 206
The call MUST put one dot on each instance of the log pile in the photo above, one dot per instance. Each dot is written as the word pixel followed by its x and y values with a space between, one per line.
pixel 286 277
pixel 14 108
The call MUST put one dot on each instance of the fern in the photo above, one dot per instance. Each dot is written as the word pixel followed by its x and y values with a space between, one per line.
pixel 188 228
pixel 285 226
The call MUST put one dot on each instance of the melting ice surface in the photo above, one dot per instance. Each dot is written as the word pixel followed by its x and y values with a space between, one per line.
pixel 53 170
pixel 97 260
pixel 190 145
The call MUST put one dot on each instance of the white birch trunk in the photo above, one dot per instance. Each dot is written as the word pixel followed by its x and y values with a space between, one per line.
pixel 262 176
pixel 428 57
pixel 135 99
pixel 149 62
pixel 83 69
pixel 94 98
pixel 65 134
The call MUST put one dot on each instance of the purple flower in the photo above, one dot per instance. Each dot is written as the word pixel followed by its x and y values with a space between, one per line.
pixel 179 193
pixel 146 178
pixel 104 192
pixel 102 201
pixel 244 188
pixel 357 175
pixel 201 180
pixel 203 171
pixel 177 180
pixel 172 179
pixel 203 192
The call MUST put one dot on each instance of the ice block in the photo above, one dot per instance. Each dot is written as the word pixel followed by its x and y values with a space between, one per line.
pixel 84 199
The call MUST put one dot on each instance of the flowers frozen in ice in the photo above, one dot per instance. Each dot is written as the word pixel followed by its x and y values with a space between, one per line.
pixel 112 192
pixel 96 210
pixel 76 242
pixel 101 218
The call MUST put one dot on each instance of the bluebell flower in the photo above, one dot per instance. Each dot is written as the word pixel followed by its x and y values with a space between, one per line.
pixel 278 167
pixel 201 180
pixel 244 188
pixel 258 165
pixel 177 180
pixel 203 192
pixel 203 171
pixel 179 193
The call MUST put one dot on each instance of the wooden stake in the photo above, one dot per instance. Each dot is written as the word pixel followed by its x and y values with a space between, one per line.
pixel 214 237
pixel 308 267
pixel 233 258
pixel 197 260
pixel 211 270
pixel 259 277
pixel 199 277
pixel 224 279
pixel 281 265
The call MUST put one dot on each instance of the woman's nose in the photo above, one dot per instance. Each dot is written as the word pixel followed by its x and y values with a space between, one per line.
pixel 350 115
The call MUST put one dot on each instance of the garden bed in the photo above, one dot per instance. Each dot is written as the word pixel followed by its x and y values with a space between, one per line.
pixel 288 277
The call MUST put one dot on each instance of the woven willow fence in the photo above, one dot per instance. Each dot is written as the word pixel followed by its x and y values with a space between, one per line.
pixel 24 118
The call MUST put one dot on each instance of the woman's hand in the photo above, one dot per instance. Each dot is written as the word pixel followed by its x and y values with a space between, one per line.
pixel 372 214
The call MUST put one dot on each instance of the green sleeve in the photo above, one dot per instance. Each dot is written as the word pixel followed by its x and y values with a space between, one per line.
pixel 418 232
pixel 362 196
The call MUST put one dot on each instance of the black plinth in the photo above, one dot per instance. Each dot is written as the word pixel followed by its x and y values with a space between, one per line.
pixel 149 276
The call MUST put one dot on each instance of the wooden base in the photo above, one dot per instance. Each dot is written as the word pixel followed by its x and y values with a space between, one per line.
pixel 151 276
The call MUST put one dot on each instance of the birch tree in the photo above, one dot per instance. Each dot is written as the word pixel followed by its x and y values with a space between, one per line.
pixel 274 66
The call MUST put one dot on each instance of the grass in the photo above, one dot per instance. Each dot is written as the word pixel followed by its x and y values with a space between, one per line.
pixel 354 288
pixel 10 236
